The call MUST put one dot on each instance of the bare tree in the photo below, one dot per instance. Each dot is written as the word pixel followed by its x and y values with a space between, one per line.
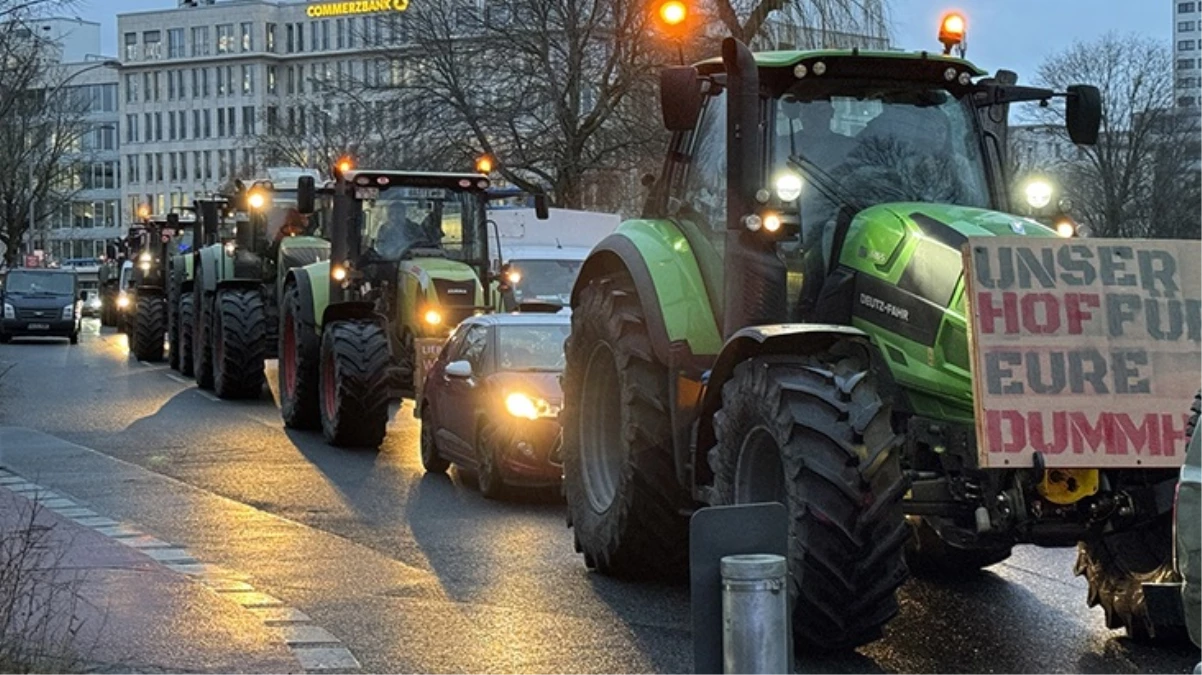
pixel 1141 179
pixel 560 93
pixel 804 24
pixel 41 125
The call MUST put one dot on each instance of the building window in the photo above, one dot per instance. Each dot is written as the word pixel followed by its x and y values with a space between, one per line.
pixel 183 166
pixel 340 33
pixel 269 38
pixel 300 79
pixel 175 43
pixel 170 86
pixel 154 78
pixel 208 125
pixel 171 127
pixel 1185 101
pixel 204 81
pixel 131 88
pixel 271 79
pixel 220 122
pixel 289 39
pixel 247 37
pixel 179 82
pixel 1185 45
pixel 300 37
pixel 152 45
pixel 131 169
pixel 248 120
pixel 1185 7
pixel 248 80
pixel 225 38
pixel 131 128
pixel 200 41
pixel 158 126
pixel 220 81
pixel 131 46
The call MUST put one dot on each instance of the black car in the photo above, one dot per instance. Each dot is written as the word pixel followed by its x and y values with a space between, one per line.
pixel 40 303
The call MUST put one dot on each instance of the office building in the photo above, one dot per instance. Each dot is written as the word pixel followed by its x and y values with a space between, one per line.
pixel 1187 53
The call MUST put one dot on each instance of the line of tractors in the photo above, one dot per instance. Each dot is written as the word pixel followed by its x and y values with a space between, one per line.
pixel 786 322
pixel 332 278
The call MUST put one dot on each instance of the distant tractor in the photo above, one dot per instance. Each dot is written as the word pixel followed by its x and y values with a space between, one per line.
pixel 236 282
pixel 409 252
pixel 160 237
pixel 786 323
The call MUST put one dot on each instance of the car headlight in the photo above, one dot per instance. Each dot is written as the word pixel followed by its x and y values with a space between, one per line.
pixel 69 312
pixel 9 312
pixel 122 300
pixel 529 407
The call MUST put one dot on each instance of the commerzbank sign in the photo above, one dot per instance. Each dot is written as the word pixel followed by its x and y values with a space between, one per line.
pixel 324 9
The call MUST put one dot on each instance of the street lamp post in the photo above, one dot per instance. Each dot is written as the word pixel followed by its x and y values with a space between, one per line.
pixel 108 63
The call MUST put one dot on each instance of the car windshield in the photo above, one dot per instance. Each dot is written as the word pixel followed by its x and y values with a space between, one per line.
pixel 403 219
pixel 859 145
pixel 544 280
pixel 531 347
pixel 34 283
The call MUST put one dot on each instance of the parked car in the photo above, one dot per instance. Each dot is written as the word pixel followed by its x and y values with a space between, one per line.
pixel 490 403
pixel 40 302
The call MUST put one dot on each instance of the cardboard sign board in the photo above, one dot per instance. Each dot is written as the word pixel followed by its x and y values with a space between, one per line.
pixel 427 353
pixel 1086 351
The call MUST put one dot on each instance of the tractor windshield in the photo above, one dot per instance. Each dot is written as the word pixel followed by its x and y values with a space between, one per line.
pixel 285 220
pixel 859 145
pixel 402 221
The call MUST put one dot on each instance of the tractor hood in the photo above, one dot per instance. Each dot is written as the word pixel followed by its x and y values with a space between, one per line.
pixel 905 270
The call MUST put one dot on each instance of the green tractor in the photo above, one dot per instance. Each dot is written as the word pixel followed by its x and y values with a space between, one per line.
pixel 408 253
pixel 206 220
pixel 786 324
pixel 237 281
pixel 156 240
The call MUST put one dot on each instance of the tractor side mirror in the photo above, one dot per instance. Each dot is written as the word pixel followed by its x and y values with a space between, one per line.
pixel 541 210
pixel 1083 113
pixel 460 369
pixel 306 195
pixel 680 97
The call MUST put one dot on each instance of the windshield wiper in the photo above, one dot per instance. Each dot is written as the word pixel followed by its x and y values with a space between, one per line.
pixel 820 179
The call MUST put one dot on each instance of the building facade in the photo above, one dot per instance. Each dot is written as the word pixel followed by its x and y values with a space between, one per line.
pixel 1187 53
pixel 203 81
pixel 85 211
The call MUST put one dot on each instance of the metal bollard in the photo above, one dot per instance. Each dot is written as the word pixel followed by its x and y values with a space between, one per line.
pixel 755 614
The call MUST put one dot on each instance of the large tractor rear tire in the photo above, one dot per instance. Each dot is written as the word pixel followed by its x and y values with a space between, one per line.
pixel 624 501
pixel 812 433
pixel 355 378
pixel 173 337
pixel 149 325
pixel 187 315
pixel 202 342
pixel 239 343
pixel 1118 565
pixel 299 368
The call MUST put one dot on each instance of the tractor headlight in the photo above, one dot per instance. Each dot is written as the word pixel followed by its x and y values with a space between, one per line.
pixel 1065 229
pixel 529 407
pixel 122 300
pixel 68 312
pixel 9 312
pixel 432 317
pixel 338 272
pixel 145 266
pixel 788 186
pixel 144 258
pixel 229 248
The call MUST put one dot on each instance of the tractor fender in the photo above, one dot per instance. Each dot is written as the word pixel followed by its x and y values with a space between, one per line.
pixel 667 278
pixel 309 341
pixel 248 284
pixel 341 311
pixel 753 341
pixel 214 264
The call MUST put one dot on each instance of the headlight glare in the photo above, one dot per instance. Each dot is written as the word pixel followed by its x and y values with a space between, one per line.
pixel 788 186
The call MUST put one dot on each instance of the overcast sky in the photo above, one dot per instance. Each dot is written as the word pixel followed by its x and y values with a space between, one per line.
pixel 1012 34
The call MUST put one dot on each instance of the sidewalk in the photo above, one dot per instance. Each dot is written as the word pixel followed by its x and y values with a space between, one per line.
pixel 137 614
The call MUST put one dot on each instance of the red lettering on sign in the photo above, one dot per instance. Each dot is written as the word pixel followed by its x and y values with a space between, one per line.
pixel 989 313
pixel 1076 307
pixel 1051 313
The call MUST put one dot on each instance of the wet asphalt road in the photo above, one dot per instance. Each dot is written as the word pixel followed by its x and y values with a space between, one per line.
pixel 420 573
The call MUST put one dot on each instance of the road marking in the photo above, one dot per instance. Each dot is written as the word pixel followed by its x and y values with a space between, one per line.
pixel 211 397
pixel 177 378
pixel 315 648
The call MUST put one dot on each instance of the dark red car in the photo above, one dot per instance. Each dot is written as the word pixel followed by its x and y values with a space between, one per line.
pixel 490 403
